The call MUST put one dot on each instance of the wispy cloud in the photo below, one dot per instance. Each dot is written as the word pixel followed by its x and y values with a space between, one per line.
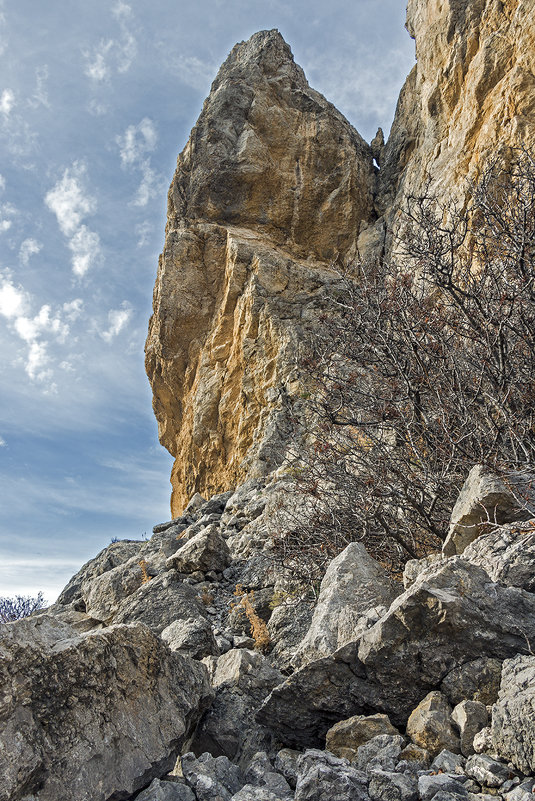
pixel 115 54
pixel 36 330
pixel 2 183
pixel 134 146
pixel 70 201
pixel 117 319
pixel 7 101
pixel 143 231
pixel 194 72
pixel 3 443
pixel 137 141
pixel 85 247
pixel 30 247
pixel 40 96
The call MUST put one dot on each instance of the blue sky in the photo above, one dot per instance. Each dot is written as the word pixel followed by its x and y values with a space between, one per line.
pixel 96 101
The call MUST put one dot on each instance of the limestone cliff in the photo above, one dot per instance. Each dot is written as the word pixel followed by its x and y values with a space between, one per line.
pixel 274 187
pixel 271 188
pixel 469 97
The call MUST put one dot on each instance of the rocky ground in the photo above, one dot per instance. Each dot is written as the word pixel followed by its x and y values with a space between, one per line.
pixel 195 645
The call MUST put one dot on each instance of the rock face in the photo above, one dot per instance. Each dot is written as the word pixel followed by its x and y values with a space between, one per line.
pixel 353 584
pixel 90 717
pixel 272 186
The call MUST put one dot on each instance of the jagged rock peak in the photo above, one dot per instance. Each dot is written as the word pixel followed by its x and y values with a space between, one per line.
pixel 273 185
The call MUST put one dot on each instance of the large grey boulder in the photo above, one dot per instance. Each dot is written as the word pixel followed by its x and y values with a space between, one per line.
pixel 206 551
pixel 94 716
pixel 470 717
pixel 242 679
pixel 477 680
pixel 513 715
pixel 211 778
pixel 488 498
pixel 452 614
pixel 104 594
pixel 507 554
pixel 353 583
pixel 323 777
pixel 113 555
pixel 160 602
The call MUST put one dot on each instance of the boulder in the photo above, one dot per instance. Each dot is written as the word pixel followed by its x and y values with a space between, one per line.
pixel 324 777
pixel 104 594
pixel 206 551
pixel 507 554
pixel 192 636
pixel 211 778
pixel 487 498
pixel 353 583
pixel 451 615
pixel 260 773
pixel 91 716
pixel 386 785
pixel 430 786
pixel 380 752
pixel 477 680
pixel 166 791
pixel 470 717
pixel 161 601
pixel 242 679
pixel 513 715
pixel 430 725
pixel 487 771
pixel 344 738
pixel 113 555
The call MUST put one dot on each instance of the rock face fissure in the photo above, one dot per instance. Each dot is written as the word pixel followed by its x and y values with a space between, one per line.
pixel 274 188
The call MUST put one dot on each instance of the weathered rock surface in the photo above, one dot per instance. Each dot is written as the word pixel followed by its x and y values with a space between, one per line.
pixel 206 551
pixel 344 738
pixel 94 716
pixel 513 716
pixel 451 614
pixel 507 554
pixel 430 725
pixel 487 499
pixel 353 583
pixel 242 679
pixel 271 187
pixel 470 95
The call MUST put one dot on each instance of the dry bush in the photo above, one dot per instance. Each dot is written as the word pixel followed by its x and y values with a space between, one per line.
pixel 259 630
pixel 420 370
pixel 20 606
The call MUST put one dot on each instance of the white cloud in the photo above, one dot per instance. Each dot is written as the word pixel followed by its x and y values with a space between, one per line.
pixel 73 309
pixel 40 96
pixel 85 247
pixel 5 225
pixel 7 101
pixel 117 319
pixel 14 300
pixel 69 199
pixel 143 231
pixel 194 72
pixel 97 68
pixel 137 141
pixel 2 183
pixel 134 145
pixel 30 247
pixel 71 202
pixel 3 443
pixel 97 109
pixel 111 54
pixel 36 331
pixel 151 186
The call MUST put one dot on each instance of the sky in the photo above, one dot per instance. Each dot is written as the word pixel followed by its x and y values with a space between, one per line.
pixel 96 101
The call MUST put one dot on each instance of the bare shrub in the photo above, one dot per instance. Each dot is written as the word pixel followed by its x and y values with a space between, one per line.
pixel 420 370
pixel 20 606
